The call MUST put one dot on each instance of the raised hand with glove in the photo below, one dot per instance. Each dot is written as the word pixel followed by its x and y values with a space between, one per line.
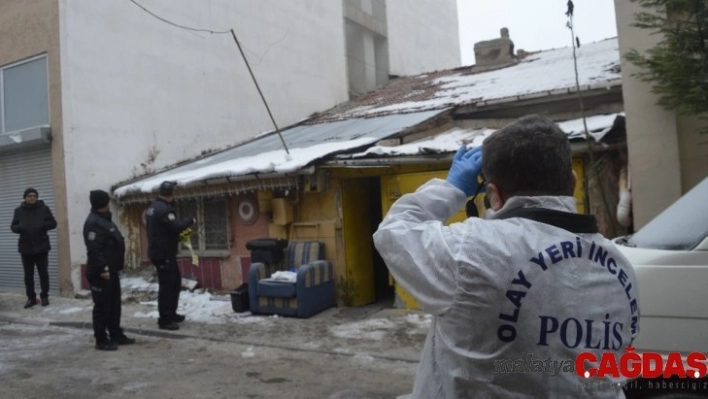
pixel 465 169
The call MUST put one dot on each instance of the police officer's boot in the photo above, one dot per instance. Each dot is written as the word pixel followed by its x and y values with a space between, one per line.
pixel 171 326
pixel 30 303
pixel 106 345
pixel 122 339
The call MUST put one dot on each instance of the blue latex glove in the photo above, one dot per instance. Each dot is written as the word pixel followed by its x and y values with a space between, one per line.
pixel 466 166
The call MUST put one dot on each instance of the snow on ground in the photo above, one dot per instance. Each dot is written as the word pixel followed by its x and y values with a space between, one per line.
pixel 204 307
pixel 368 329
pixel 377 329
pixel 64 309
pixel 248 352
pixel 419 321
pixel 364 358
pixel 198 307
pixel 137 284
pixel 70 310
pixel 15 344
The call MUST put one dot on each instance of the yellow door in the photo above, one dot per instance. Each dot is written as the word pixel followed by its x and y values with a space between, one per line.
pixel 358 244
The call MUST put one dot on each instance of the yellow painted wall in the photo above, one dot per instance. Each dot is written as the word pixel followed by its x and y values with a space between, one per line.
pixel 317 218
pixel 394 186
pixel 341 218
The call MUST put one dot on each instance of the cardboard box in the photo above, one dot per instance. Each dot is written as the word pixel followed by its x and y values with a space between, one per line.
pixel 282 211
pixel 277 231
pixel 264 201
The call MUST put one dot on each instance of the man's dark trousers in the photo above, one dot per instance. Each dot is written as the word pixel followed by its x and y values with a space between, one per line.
pixel 106 312
pixel 28 263
pixel 170 284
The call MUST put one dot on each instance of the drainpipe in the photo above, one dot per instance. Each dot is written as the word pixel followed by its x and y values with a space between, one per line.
pixel 624 206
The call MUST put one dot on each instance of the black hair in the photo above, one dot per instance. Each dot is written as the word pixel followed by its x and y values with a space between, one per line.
pixel 529 157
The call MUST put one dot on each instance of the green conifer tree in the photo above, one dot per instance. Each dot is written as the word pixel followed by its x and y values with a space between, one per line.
pixel 677 66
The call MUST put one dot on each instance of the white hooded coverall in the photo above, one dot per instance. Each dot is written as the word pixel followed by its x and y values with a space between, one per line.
pixel 514 301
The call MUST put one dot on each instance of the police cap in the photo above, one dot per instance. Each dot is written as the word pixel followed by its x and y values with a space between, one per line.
pixel 167 188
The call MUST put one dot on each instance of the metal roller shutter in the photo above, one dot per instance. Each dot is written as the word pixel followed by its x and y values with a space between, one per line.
pixel 19 170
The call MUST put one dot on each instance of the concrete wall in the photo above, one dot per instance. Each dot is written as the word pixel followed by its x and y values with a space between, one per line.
pixel 29 28
pixel 693 147
pixel 655 162
pixel 366 35
pixel 362 64
pixel 423 36
pixel 140 94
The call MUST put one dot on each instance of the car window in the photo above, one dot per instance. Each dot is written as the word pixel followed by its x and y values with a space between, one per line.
pixel 682 226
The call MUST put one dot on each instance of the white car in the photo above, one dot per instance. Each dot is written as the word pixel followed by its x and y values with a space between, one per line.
pixel 670 259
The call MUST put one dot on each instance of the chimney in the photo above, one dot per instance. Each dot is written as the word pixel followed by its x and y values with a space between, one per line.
pixel 495 52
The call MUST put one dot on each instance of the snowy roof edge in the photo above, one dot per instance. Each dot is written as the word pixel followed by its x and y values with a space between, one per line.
pixel 349 135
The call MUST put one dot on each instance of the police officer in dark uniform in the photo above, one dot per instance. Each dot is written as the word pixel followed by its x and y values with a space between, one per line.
pixel 105 248
pixel 164 229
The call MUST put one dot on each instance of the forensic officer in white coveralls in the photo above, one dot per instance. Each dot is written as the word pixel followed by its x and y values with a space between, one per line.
pixel 526 289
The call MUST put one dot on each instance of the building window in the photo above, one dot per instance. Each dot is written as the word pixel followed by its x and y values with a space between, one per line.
pixel 24 95
pixel 211 233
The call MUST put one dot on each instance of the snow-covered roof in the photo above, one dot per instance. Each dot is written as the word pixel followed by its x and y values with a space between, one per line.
pixel 265 155
pixel 403 103
pixel 446 142
pixel 539 74
pixel 598 126
pixel 450 140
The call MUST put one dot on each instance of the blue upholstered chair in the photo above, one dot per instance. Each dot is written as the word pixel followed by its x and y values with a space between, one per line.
pixel 311 293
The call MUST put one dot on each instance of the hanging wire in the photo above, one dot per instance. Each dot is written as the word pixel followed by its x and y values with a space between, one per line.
pixel 214 32
pixel 245 60
pixel 277 130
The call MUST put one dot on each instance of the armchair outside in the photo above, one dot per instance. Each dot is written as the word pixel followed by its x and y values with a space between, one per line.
pixel 311 293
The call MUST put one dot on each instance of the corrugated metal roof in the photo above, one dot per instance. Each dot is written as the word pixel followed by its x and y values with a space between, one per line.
pixel 265 155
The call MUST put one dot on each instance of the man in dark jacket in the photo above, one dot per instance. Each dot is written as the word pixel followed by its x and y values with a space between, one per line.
pixel 164 228
pixel 32 220
pixel 105 248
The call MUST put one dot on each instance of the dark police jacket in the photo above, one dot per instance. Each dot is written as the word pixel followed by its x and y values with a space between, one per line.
pixel 163 229
pixel 105 245
pixel 32 222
